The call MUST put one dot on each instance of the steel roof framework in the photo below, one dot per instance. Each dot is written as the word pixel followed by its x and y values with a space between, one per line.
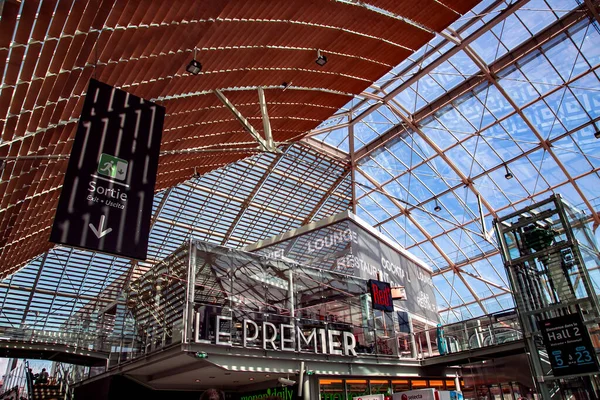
pixel 254 55
pixel 240 204
pixel 411 133
pixel 511 87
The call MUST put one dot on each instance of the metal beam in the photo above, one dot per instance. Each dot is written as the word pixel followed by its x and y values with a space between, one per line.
pixel 544 142
pixel 238 115
pixel 592 7
pixel 326 196
pixel 508 11
pixel 397 131
pixel 326 149
pixel 52 293
pixel 467 181
pixel 265 118
pixel 250 198
pixel 510 58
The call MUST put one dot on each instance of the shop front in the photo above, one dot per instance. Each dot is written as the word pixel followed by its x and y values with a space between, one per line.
pixel 350 388
pixel 333 305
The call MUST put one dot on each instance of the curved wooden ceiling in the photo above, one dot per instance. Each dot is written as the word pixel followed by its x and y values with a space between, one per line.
pixel 49 49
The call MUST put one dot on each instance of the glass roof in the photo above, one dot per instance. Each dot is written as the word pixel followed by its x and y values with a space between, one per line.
pixel 510 89
pixel 279 192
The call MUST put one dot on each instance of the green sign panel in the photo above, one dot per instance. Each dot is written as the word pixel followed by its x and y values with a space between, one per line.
pixel 113 167
pixel 285 393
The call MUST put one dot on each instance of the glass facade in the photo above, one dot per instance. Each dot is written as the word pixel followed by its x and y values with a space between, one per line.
pixel 347 389
pixel 249 300
pixel 513 87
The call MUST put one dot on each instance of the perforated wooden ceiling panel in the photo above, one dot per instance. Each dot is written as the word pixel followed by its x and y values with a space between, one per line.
pixel 50 49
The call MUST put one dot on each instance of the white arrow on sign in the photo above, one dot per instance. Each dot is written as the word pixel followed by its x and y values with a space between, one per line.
pixel 100 232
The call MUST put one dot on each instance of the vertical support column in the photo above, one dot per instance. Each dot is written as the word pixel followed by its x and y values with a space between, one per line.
pixel 428 337
pixel 291 300
pixel 352 165
pixel 189 295
pixel 413 343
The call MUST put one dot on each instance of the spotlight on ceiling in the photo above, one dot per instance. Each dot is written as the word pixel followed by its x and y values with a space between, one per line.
pixel 321 59
pixel 194 67
pixel 597 134
pixel 437 207
pixel 508 174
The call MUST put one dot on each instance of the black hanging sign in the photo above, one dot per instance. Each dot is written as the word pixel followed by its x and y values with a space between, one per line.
pixel 107 194
pixel 381 295
pixel 569 346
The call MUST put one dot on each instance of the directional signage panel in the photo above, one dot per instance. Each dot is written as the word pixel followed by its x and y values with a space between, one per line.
pixel 107 195
pixel 569 347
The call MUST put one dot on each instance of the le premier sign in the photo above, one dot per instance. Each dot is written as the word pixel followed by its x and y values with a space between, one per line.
pixel 569 346
pixel 107 194
pixel 281 337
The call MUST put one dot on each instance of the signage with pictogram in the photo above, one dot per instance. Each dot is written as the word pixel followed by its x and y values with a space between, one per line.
pixel 107 195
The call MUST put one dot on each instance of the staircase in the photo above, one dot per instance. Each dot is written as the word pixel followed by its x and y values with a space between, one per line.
pixel 47 392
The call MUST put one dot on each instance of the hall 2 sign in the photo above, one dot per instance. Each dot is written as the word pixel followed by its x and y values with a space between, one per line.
pixel 284 337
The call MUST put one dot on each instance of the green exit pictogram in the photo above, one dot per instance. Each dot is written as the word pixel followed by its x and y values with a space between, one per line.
pixel 112 166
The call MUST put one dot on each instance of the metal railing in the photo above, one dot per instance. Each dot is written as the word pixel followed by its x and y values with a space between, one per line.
pixel 476 333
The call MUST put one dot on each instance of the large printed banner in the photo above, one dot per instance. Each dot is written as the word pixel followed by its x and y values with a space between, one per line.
pixel 106 199
pixel 345 247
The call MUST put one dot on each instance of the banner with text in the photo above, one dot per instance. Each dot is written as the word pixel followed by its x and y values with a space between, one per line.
pixel 345 247
pixel 106 199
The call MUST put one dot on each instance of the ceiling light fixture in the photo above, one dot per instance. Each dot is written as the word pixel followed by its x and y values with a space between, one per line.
pixel 508 174
pixel 194 67
pixel 437 207
pixel 321 59
pixel 597 134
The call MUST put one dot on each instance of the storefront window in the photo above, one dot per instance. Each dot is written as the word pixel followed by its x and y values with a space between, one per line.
pixel 380 387
pixel 357 387
pixel 400 385
pixel 436 384
pixel 419 384
pixel 332 389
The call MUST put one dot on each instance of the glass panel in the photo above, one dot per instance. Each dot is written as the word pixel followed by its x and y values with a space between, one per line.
pixel 357 387
pixel 436 384
pixel 419 384
pixel 332 389
pixel 380 387
pixel 400 385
